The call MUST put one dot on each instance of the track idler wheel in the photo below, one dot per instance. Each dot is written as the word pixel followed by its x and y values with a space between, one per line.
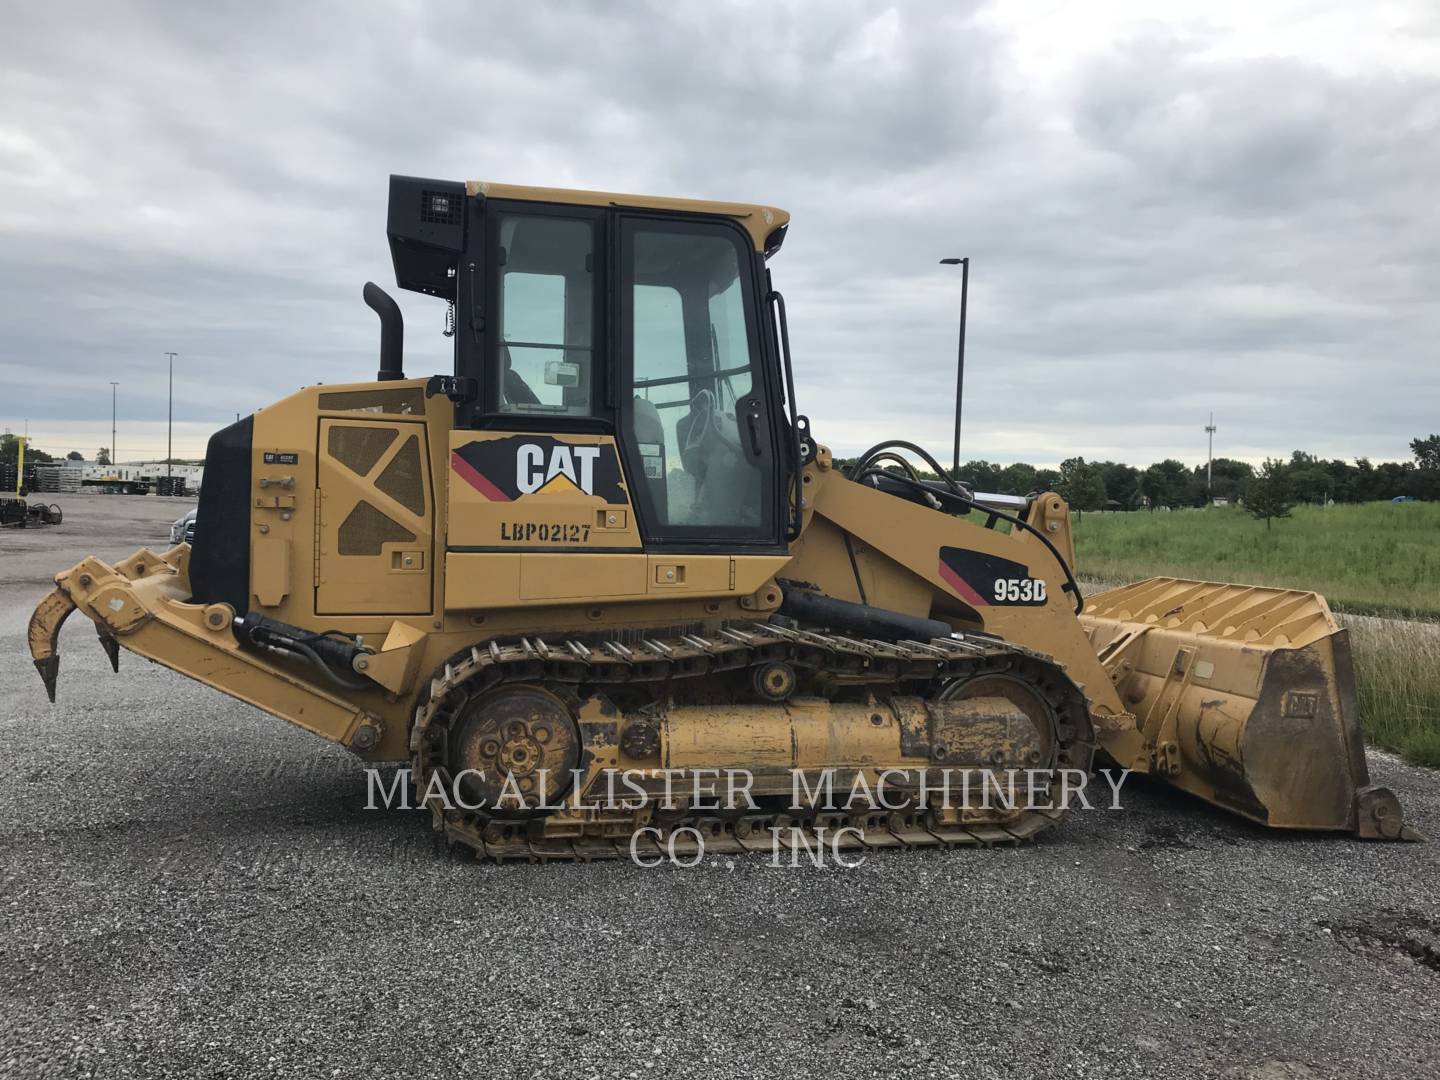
pixel 1026 744
pixel 514 749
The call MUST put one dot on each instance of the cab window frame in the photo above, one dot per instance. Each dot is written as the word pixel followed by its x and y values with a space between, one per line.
pixel 663 536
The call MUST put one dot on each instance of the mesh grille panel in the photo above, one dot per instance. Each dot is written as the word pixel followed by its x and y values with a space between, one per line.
pixel 359 448
pixel 401 478
pixel 439 207
pixel 407 402
pixel 367 529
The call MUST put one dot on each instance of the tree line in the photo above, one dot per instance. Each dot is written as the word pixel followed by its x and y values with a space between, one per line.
pixel 10 453
pixel 1304 478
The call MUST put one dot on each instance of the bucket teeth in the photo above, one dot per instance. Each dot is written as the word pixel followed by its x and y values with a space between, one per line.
pixel 111 647
pixel 1379 816
pixel 49 668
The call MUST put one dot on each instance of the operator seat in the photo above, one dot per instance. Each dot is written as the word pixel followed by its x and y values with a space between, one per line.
pixel 727 485
pixel 514 390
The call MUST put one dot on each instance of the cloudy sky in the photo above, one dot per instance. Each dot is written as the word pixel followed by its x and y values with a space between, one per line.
pixel 1232 209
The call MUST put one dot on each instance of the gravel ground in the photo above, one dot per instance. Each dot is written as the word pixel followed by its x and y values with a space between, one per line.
pixel 192 888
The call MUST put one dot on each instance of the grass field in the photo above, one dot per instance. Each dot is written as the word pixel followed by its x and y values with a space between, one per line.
pixel 1372 558
pixel 1397 675
pixel 1378 564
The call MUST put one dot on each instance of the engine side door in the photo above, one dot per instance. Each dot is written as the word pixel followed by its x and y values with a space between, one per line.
pixel 375 542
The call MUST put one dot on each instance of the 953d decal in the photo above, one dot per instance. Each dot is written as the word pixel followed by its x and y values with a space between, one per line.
pixel 983 580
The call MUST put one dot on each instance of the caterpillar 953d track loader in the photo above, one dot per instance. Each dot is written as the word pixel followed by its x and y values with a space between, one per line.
pixel 608 544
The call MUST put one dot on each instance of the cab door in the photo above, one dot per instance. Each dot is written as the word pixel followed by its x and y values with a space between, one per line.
pixel 695 415
pixel 375 523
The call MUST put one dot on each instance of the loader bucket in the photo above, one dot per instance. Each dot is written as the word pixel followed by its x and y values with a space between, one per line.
pixel 1245 697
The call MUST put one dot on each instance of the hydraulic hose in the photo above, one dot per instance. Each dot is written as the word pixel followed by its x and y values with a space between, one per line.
pixel 863 468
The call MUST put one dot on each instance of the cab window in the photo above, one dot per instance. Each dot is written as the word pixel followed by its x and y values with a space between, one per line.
pixel 544 359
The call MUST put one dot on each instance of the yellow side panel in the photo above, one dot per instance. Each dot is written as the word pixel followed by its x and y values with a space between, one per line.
pixel 475 581
pixel 482 580
pixel 581 577
pixel 478 580
pixel 270 571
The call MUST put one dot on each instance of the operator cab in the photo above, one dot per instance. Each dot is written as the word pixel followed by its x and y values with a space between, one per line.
pixel 644 321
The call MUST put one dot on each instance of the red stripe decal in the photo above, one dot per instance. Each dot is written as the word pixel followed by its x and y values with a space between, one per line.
pixel 476 479
pixel 961 586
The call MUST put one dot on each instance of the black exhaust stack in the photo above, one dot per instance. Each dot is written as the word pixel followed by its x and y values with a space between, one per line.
pixel 392 332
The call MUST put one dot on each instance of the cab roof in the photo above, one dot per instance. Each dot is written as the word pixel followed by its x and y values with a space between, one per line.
pixel 757 220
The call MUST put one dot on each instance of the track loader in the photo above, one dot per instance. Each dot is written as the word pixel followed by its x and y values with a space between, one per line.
pixel 608 544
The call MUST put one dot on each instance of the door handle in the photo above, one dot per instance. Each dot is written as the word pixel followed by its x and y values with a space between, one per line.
pixel 755 450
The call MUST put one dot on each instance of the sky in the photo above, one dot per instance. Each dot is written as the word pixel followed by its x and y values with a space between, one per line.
pixel 1230 209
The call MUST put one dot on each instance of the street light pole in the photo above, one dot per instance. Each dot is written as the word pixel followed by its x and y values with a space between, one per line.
pixel 170 421
pixel 113 385
pixel 1209 452
pixel 964 265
